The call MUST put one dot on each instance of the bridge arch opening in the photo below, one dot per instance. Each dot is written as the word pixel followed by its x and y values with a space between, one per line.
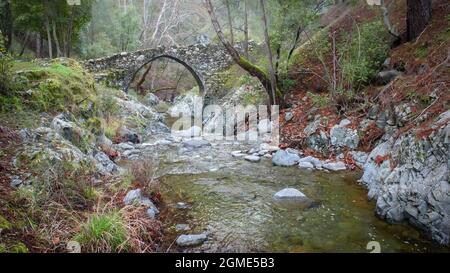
pixel 188 67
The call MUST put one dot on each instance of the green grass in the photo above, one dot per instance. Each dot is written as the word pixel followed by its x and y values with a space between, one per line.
pixel 103 233
pixel 4 224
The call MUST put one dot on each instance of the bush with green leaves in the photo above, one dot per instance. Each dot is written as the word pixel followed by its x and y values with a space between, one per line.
pixel 6 76
pixel 362 53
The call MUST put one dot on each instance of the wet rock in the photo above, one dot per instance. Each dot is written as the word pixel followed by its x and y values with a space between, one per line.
pixel 285 159
pixel 191 240
pixel 290 194
pixel 181 205
pixel 317 163
pixel 196 143
pixel 305 165
pixel 335 166
pixel 252 158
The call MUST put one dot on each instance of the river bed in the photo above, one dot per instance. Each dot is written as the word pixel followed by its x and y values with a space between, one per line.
pixel 232 201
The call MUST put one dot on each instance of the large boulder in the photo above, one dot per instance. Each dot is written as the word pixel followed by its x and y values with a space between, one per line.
pixel 47 144
pixel 342 136
pixel 187 105
pixel 285 159
pixel 131 107
pixel 319 142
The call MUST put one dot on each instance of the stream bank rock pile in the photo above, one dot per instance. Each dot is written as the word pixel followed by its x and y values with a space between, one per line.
pixel 409 179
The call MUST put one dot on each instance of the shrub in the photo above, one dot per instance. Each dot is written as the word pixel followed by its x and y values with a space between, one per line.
pixel 362 53
pixel 103 233
pixel 6 77
pixel 319 100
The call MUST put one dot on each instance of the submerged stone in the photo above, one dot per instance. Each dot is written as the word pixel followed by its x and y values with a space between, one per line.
pixel 191 240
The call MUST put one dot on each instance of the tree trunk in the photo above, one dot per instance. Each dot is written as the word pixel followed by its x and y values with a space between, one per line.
pixel 246 29
pixel 49 38
pixel 38 45
pixel 142 79
pixel 417 18
pixel 8 25
pixel 252 69
pixel 230 21
pixel 24 45
pixel 269 52
pixel 55 36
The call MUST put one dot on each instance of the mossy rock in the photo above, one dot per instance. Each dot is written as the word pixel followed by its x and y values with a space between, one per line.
pixel 56 85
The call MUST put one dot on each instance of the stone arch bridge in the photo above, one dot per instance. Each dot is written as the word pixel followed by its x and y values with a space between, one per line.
pixel 205 62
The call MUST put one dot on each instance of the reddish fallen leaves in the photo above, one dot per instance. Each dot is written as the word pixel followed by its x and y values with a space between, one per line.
pixel 381 159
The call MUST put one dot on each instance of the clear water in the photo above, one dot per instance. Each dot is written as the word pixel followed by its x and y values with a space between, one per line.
pixel 232 200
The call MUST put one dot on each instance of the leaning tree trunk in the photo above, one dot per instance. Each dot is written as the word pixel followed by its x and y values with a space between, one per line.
pixel 418 16
pixel 245 64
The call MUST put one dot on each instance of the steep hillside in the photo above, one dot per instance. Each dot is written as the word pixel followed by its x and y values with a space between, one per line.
pixel 396 128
